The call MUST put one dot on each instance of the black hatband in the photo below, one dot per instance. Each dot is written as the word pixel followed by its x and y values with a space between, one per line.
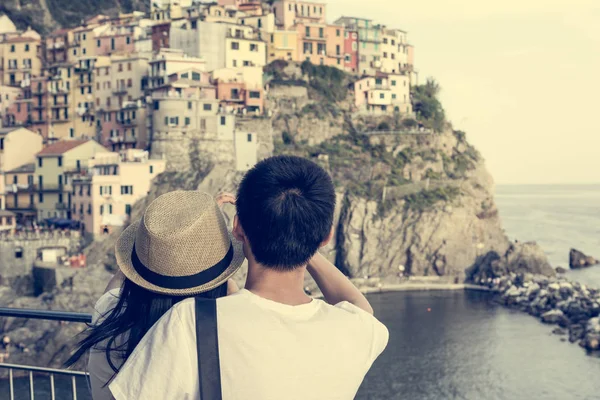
pixel 182 282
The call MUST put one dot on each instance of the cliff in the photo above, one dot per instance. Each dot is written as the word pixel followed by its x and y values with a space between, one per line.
pixel 46 15
pixel 414 198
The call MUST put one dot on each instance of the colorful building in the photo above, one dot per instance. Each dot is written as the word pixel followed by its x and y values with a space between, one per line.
pixel 321 44
pixel 351 51
pixel 291 12
pixel 282 45
pixel 18 146
pixel 104 192
pixel 170 61
pixel 20 58
pixel 383 94
pixel 19 194
pixel 244 48
pixel 55 164
pixel 369 43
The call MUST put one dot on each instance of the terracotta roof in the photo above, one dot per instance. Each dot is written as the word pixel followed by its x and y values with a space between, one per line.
pixel 59 32
pixel 21 39
pixel 61 147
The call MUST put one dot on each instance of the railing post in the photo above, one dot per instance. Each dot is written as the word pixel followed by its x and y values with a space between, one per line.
pixel 31 395
pixel 74 387
pixel 11 384
pixel 52 394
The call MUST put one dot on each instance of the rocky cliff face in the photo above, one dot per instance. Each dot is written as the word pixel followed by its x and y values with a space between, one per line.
pixel 47 15
pixel 415 202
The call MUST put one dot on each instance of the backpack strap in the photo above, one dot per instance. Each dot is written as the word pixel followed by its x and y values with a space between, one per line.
pixel 207 344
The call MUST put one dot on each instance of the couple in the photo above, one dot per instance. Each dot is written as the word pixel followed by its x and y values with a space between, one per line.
pixel 274 341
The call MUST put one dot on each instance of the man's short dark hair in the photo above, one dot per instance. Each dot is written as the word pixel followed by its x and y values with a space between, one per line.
pixel 285 205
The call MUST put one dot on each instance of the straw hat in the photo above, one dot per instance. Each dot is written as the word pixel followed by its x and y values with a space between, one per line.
pixel 180 247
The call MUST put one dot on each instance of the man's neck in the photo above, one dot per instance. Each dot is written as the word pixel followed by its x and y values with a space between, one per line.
pixel 285 287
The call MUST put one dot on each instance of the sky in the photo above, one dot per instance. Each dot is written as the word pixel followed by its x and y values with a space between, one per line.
pixel 521 77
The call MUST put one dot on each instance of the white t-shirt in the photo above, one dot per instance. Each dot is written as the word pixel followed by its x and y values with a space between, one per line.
pixel 98 367
pixel 267 350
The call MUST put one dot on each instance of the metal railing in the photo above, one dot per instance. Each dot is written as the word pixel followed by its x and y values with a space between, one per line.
pixel 51 372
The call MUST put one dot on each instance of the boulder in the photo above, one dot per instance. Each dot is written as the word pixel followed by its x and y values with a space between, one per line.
pixel 559 331
pixel 576 332
pixel 553 317
pixel 577 260
pixel 560 270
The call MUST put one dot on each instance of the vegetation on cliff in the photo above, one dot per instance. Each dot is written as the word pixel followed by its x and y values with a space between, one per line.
pixel 47 15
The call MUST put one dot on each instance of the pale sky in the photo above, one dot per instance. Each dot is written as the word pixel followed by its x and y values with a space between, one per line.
pixel 521 77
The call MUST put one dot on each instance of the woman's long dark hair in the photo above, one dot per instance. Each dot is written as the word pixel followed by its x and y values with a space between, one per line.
pixel 135 313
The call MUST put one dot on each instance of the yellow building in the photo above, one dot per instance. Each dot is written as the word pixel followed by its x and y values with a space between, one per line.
pixel 20 193
pixel 20 58
pixel 55 165
pixel 282 45
pixel 18 146
pixel 244 48
pixel 394 51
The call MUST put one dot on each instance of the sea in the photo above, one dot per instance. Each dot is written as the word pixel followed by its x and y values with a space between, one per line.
pixel 455 345
pixel 462 345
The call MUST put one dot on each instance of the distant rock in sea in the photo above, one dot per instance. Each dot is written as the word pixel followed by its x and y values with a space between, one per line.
pixel 577 260
pixel 561 270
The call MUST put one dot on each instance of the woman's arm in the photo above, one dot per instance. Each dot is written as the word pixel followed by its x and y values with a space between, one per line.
pixel 334 285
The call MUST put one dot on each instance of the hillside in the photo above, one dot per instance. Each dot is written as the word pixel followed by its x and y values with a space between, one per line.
pixel 413 196
pixel 47 15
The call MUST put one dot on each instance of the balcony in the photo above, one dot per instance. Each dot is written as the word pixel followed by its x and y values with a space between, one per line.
pixel 39 106
pixel 125 139
pixel 316 38
pixel 62 206
pixel 20 188
pixel 120 90
pixel 60 105
pixel 52 187
pixel 127 122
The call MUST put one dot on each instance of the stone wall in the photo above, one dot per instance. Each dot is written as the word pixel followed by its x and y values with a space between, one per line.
pixel 263 128
pixel 18 253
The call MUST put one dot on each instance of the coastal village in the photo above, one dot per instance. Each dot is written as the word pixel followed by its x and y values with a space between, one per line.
pixel 90 115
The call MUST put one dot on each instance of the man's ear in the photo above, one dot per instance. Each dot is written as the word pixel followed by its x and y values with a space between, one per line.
pixel 327 239
pixel 238 231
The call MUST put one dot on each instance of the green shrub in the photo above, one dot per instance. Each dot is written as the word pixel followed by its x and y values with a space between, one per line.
pixel 426 199
pixel 427 105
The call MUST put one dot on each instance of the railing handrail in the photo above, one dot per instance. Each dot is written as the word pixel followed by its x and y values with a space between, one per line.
pixel 42 369
pixel 50 315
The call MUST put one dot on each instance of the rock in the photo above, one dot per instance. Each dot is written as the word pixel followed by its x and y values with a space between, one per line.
pixel 577 260
pixel 559 331
pixel 532 290
pixel 553 317
pixel 576 332
pixel 560 270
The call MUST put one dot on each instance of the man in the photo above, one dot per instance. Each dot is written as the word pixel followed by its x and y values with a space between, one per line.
pixel 275 342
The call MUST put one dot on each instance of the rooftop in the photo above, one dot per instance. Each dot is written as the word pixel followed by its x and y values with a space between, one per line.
pixel 61 147
pixel 23 169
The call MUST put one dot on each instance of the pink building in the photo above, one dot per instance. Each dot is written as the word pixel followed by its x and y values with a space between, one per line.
pixel 104 193
pixel 116 40
pixel 351 51
pixel 321 44
pixel 237 96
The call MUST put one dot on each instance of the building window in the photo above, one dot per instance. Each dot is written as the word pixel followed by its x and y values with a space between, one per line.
pixel 101 210
pixel 202 124
pixel 89 210
pixel 18 252
pixel 60 161
pixel 187 121
pixel 249 137
pixel 128 209
pixel 12 48
pixel 156 105
pixel 253 47
pixel 26 47
pixel 98 43
pixel 120 68
pixel 381 96
pixel 127 189
pixel 321 33
pixel 394 96
pixel 40 197
pixel 207 107
pixel 71 132
pixel 128 40
pixel 223 120
pixel 254 95
pixel 40 162
pixel 235 46
pixel 151 169
pixel 129 83
pixel 307 31
pixel 393 83
pixel 195 76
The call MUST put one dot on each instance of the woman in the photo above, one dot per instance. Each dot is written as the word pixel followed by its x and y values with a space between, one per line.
pixel 181 248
